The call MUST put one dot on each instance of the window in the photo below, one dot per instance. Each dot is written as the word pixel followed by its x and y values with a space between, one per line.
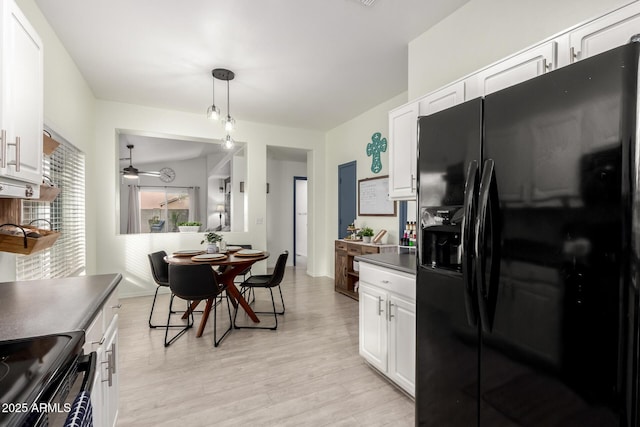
pixel 163 208
pixel 66 168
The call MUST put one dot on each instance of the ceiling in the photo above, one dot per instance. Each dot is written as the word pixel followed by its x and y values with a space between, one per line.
pixel 298 63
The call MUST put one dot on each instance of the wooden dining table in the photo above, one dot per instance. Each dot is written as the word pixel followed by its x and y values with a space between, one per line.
pixel 232 264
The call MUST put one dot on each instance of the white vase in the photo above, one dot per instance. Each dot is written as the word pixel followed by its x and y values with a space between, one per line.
pixel 212 248
pixel 366 239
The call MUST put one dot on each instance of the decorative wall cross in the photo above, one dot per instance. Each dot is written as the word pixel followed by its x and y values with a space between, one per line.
pixel 374 148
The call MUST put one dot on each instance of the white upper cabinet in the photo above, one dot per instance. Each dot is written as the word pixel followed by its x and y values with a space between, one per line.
pixel 516 69
pixel 21 109
pixel 611 30
pixel 403 134
pixel 442 99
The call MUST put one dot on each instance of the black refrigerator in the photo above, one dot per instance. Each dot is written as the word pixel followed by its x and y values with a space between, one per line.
pixel 527 282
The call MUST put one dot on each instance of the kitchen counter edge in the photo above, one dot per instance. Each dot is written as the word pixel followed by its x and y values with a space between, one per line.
pixel 405 263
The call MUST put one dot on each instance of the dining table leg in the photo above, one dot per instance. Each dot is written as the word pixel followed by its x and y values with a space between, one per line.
pixel 226 278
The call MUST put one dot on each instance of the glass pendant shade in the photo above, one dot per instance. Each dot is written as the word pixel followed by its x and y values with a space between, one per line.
pixel 213 113
pixel 228 142
pixel 229 124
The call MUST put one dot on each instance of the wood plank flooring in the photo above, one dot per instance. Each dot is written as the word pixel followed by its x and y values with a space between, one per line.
pixel 307 373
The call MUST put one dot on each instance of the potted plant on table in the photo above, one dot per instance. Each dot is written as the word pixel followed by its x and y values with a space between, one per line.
pixel 212 238
pixel 367 234
pixel 189 226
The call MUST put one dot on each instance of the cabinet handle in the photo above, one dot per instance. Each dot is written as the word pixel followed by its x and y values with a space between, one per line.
pixel 390 309
pixel 385 281
pixel 380 311
pixel 99 342
pixel 16 162
pixel 3 149
pixel 413 178
pixel 116 307
pixel 572 55
pixel 109 372
pixel 545 65
pixel 113 354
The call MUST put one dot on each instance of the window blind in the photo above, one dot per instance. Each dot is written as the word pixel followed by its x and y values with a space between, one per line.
pixel 66 167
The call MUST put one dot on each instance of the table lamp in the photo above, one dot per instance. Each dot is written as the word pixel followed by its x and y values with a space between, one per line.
pixel 220 210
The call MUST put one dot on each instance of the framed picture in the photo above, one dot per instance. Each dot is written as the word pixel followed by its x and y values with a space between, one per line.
pixel 373 197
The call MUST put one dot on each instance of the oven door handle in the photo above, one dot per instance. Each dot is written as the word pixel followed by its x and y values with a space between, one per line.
pixel 87 364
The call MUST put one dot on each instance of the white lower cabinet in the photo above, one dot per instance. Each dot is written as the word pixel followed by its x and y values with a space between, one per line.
pixel 102 337
pixel 388 323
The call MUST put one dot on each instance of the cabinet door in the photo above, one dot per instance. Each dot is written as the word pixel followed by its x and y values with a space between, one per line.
pixel 403 136
pixel 373 326
pixel 111 375
pixel 22 97
pixel 402 343
pixel 607 32
pixel 442 99
pixel 524 66
pixel 341 269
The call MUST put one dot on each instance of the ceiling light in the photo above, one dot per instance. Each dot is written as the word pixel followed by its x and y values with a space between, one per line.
pixel 228 142
pixel 213 112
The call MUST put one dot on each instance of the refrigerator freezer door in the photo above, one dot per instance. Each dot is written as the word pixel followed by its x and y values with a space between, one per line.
pixel 447 343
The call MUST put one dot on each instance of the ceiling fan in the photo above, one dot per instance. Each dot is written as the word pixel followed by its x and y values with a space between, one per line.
pixel 131 172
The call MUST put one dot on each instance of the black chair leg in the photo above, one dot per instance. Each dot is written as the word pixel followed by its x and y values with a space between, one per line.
pixel 171 311
pixel 273 328
pixel 189 325
pixel 216 342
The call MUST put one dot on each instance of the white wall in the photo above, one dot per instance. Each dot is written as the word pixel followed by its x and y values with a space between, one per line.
pixel 484 31
pixel 346 143
pixel 280 206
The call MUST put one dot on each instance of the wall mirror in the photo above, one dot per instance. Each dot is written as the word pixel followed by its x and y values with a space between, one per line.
pixel 165 181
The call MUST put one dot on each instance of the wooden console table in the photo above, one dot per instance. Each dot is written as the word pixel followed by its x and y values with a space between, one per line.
pixel 345 276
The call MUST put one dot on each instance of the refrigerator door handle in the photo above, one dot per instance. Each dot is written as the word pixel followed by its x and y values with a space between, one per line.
pixel 466 243
pixel 487 287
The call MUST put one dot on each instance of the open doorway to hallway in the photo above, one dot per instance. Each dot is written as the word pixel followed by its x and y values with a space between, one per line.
pixel 283 165
pixel 300 221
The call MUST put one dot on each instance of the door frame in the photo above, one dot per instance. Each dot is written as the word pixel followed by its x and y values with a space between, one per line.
pixel 295 180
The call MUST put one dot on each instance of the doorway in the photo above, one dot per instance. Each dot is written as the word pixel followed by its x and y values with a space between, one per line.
pixel 347 197
pixel 300 221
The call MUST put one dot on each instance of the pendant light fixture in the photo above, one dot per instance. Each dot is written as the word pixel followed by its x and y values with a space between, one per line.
pixel 229 122
pixel 228 142
pixel 214 113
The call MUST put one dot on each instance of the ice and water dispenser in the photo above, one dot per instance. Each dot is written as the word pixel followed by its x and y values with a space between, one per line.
pixel 441 230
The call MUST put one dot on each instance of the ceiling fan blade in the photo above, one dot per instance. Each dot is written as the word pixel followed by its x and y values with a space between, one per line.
pixel 156 174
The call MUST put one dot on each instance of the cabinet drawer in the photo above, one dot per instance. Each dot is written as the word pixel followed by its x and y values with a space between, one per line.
pixel 390 280
pixel 367 250
pixel 341 246
pixel 110 309
pixel 354 250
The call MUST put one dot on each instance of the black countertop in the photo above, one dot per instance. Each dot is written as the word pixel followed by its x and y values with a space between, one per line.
pixel 400 262
pixel 42 307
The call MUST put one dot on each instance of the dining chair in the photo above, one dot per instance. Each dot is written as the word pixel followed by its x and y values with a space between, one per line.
pixel 266 281
pixel 160 273
pixel 197 282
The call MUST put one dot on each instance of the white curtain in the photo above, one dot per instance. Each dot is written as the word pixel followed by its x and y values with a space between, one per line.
pixel 194 204
pixel 133 216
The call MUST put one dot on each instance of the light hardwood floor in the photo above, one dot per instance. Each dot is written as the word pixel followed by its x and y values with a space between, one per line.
pixel 307 373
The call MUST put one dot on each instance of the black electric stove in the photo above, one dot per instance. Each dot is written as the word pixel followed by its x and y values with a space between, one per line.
pixel 35 374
